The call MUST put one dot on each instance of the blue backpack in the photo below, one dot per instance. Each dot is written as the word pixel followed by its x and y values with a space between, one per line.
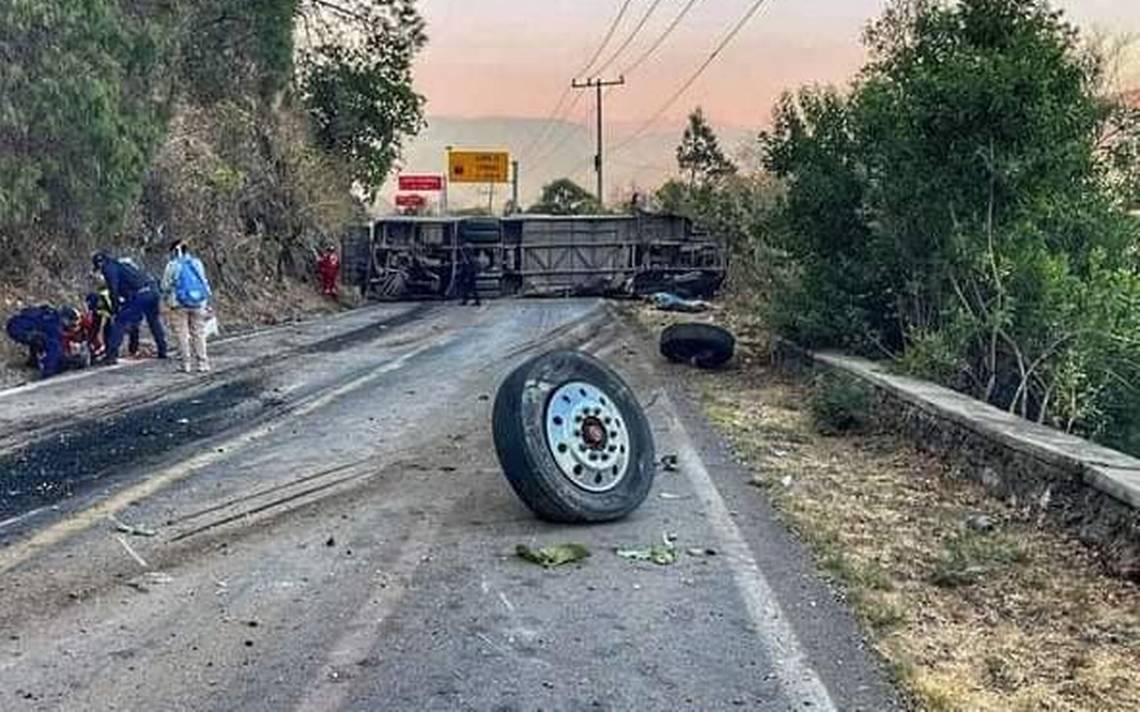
pixel 190 288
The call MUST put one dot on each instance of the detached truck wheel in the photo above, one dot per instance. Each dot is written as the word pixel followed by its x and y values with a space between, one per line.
pixel 702 345
pixel 572 439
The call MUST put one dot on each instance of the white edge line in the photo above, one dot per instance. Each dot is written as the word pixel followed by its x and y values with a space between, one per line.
pixel 793 670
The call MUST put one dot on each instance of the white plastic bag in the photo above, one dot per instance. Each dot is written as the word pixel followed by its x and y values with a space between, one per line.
pixel 212 328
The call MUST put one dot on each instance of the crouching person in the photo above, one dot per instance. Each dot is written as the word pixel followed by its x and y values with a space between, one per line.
pixel 54 338
pixel 134 297
pixel 187 293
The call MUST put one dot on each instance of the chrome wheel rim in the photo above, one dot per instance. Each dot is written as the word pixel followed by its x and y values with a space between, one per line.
pixel 587 436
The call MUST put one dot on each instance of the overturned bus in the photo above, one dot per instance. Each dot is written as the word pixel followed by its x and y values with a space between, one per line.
pixel 401 257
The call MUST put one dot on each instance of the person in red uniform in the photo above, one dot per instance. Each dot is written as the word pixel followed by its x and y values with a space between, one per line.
pixel 328 269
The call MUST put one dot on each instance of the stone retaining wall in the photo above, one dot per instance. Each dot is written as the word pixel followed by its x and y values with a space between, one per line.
pixel 1091 489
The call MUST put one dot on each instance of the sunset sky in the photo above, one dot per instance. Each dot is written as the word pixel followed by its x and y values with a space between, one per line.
pixel 494 69
pixel 514 57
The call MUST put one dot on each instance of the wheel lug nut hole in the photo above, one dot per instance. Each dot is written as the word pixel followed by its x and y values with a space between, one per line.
pixel 558 420
pixel 577 469
pixel 562 447
pixel 597 479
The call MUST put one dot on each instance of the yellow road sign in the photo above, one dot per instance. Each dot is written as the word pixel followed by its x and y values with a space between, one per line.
pixel 478 166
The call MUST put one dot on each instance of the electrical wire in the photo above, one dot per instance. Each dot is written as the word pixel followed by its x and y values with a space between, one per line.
pixel 641 59
pixel 748 15
pixel 630 37
pixel 554 113
pixel 609 36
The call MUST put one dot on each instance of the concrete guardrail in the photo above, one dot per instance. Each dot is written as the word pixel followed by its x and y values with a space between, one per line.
pixel 1091 489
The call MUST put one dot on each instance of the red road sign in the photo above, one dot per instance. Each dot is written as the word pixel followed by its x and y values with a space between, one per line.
pixel 410 201
pixel 426 181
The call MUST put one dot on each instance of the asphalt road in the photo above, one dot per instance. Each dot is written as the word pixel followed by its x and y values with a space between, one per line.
pixel 323 525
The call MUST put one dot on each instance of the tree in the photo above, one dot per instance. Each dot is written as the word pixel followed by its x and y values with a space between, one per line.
pixel 82 110
pixel 565 197
pixel 232 48
pixel 699 154
pixel 355 76
pixel 962 208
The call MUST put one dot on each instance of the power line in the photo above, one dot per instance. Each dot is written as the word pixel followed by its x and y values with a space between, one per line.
pixel 751 12
pixel 554 113
pixel 609 36
pixel 660 39
pixel 630 37
pixel 567 132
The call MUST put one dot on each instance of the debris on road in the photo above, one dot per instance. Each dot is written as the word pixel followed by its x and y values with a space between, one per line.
pixel 669 463
pixel 132 529
pixel 700 345
pixel 549 557
pixel 663 554
pixel 697 551
pixel 665 301
pixel 670 495
pixel 134 554
pixel 149 580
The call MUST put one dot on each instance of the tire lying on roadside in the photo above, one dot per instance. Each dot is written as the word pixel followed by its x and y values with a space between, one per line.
pixel 572 439
pixel 702 345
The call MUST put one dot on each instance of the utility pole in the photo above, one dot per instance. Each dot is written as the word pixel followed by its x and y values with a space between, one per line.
pixel 598 85
pixel 515 186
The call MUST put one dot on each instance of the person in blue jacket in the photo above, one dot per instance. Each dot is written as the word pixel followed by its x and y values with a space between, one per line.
pixel 46 332
pixel 134 297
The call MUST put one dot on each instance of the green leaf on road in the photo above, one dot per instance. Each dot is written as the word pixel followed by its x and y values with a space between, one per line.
pixel 662 554
pixel 550 556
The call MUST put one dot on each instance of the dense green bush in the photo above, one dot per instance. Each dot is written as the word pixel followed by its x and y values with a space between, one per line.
pixel 81 113
pixel 963 208
pixel 841 404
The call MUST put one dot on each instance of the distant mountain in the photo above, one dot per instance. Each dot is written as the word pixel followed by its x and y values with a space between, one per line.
pixel 547 152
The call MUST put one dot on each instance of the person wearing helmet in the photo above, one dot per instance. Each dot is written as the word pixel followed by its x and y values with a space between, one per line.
pixel 134 297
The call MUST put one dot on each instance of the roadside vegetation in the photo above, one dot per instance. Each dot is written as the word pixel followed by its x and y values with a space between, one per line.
pixel 972 603
pixel 244 126
pixel 963 208
pixel 253 129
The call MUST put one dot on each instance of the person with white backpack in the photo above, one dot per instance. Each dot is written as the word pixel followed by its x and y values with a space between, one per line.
pixel 187 293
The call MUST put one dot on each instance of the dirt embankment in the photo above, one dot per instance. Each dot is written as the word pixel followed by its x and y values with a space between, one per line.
pixel 974 604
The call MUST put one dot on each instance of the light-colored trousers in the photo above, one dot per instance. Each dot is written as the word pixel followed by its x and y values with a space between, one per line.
pixel 190 326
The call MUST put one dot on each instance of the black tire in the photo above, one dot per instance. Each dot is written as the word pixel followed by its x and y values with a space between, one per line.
pixel 702 345
pixel 520 434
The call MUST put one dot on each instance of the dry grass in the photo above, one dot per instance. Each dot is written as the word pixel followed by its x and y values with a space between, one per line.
pixel 1017 617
